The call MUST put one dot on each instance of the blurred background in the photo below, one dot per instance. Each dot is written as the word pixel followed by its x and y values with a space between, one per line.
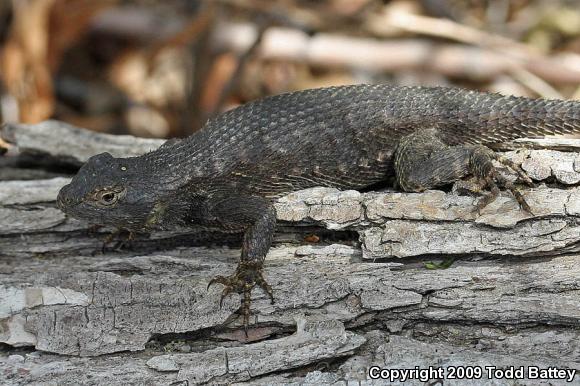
pixel 162 68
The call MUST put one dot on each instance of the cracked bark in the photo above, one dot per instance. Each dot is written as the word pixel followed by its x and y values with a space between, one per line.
pixel 512 298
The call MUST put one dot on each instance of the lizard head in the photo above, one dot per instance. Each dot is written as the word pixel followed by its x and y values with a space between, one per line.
pixel 109 191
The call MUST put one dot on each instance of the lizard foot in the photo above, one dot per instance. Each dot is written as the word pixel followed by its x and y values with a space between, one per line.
pixel 247 276
pixel 488 176
pixel 492 183
pixel 124 239
pixel 478 186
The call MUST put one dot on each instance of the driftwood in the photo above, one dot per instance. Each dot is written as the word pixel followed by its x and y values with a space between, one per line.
pixel 360 297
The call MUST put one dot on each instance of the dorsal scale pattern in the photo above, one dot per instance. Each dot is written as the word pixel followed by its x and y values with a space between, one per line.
pixel 345 136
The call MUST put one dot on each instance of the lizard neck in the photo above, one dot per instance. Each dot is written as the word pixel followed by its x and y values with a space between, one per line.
pixel 173 165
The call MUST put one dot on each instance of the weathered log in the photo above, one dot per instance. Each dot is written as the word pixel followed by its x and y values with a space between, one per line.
pixel 512 299
pixel 69 143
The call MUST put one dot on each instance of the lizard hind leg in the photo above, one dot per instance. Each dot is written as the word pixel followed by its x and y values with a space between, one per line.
pixel 423 161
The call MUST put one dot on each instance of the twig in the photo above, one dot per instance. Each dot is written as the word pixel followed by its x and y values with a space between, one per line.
pixel 530 65
pixel 535 83
pixel 449 29
pixel 242 60
pixel 334 50
pixel 184 37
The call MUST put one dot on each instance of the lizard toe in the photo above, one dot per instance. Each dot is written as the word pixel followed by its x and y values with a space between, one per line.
pixel 243 281
pixel 218 279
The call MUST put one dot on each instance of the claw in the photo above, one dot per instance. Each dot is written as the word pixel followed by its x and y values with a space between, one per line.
pixel 217 279
pixel 121 243
pixel 515 192
pixel 265 287
pixel 246 308
pixel 246 277
pixel 108 240
pixel 522 201
pixel 227 290
pixel 516 168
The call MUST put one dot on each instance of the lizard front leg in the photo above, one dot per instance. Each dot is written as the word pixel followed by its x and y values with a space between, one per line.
pixel 423 161
pixel 257 218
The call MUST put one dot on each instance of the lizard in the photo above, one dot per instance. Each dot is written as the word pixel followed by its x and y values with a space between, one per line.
pixel 228 175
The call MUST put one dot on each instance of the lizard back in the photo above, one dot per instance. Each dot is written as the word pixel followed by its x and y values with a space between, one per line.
pixel 345 136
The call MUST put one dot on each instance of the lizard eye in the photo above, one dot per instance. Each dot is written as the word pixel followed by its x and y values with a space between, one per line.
pixel 107 197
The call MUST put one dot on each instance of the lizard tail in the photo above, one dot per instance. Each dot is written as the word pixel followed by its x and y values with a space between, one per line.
pixel 497 119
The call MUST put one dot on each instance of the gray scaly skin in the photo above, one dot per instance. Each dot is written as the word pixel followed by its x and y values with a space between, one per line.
pixel 227 175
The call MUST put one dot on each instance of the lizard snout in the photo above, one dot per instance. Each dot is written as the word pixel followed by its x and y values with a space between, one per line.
pixel 63 200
